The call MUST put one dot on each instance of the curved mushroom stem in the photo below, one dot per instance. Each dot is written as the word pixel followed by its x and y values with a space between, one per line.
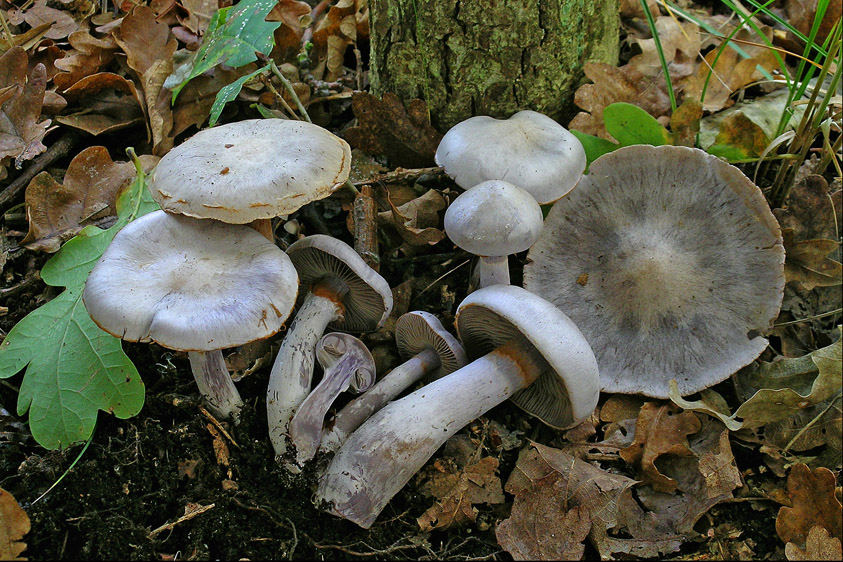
pixel 292 372
pixel 384 453
pixel 494 270
pixel 215 384
pixel 385 390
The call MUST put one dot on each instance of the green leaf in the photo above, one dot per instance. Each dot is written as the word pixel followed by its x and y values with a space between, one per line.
pixel 73 368
pixel 595 147
pixel 229 93
pixel 233 36
pixel 629 124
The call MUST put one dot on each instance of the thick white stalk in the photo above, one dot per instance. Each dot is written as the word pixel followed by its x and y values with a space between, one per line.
pixel 292 372
pixel 391 446
pixel 385 390
pixel 494 270
pixel 215 384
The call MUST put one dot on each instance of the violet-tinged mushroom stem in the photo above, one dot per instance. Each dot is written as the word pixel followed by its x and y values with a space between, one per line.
pixel 215 384
pixel 292 372
pixel 494 270
pixel 391 446
pixel 385 390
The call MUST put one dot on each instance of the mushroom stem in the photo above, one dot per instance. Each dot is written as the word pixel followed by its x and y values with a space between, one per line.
pixel 215 384
pixel 384 453
pixel 385 390
pixel 494 270
pixel 290 378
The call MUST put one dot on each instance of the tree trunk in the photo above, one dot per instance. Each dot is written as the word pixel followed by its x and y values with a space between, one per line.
pixel 489 57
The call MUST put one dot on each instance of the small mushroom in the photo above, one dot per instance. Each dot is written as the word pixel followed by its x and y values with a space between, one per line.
pixel 529 149
pixel 343 293
pixel 346 362
pixel 670 262
pixel 492 220
pixel 192 285
pixel 428 349
pixel 525 349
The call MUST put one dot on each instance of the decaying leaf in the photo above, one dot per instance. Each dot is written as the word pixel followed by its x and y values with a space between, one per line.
pixel 818 546
pixel 56 212
pixel 680 44
pixel 739 138
pixel 404 135
pixel 89 55
pixel 38 13
pixel 540 528
pixel 813 504
pixel 199 14
pixel 14 524
pixel 294 16
pixel 102 103
pixel 808 262
pixel 343 24
pixel 416 221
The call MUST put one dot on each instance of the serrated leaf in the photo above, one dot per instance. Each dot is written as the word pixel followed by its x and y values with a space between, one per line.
pixel 229 93
pixel 233 36
pixel 629 124
pixel 595 147
pixel 73 368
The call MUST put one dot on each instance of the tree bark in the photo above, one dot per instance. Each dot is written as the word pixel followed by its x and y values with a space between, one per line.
pixel 489 57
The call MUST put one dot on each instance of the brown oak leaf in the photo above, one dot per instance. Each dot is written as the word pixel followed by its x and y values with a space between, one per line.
pixel 38 13
pixel 813 501
pixel 89 55
pixel 102 103
pixel 14 524
pixel 818 546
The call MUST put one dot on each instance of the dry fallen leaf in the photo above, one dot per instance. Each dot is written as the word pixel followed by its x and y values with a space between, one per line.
pixel 102 103
pixel 294 16
pixel 89 55
pixel 808 262
pixel 818 546
pixel 345 22
pixel 540 528
pixel 38 13
pixel 813 504
pixel 741 136
pixel 14 524
pixel 416 221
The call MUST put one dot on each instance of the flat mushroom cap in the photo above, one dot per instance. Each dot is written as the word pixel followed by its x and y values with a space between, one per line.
pixel 369 299
pixel 249 170
pixel 566 392
pixel 494 218
pixel 529 149
pixel 417 330
pixel 190 285
pixel 670 262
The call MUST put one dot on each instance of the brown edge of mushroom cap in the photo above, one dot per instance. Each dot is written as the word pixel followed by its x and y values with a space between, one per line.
pixel 250 170
pixel 162 315
pixel 417 330
pixel 565 394
pixel 369 301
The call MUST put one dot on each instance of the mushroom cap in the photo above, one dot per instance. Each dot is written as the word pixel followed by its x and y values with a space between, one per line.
pixel 566 392
pixel 418 330
pixel 249 170
pixel 190 285
pixel 529 149
pixel 369 299
pixel 494 218
pixel 356 358
pixel 670 262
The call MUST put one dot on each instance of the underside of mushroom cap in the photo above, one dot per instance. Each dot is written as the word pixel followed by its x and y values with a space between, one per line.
pixel 417 330
pixel 566 392
pixel 670 262
pixel 369 299
pixel 190 285
pixel 249 170
pixel 529 149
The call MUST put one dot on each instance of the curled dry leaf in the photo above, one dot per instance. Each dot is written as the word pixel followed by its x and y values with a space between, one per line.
pixel 345 22
pixel 56 212
pixel 294 16
pixel 416 221
pixel 88 56
pixel 680 44
pixel 813 501
pixel 808 262
pixel 818 546
pixel 61 24
pixel 739 138
pixel 199 14
pixel 102 103
pixel 14 524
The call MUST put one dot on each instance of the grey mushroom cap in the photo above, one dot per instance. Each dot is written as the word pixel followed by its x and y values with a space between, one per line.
pixel 529 149
pixel 494 218
pixel 418 330
pixel 249 170
pixel 190 285
pixel 369 299
pixel 567 390
pixel 670 262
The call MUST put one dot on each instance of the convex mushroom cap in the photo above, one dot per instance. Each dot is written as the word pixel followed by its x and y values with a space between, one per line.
pixel 417 331
pixel 529 149
pixel 670 262
pixel 249 170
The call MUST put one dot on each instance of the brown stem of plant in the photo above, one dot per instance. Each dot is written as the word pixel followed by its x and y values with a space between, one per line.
pixel 364 215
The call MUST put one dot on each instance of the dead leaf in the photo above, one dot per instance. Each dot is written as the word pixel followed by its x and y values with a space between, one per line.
pixel 416 221
pixel 404 136
pixel 14 524
pixel 61 24
pixel 742 137
pixel 199 13
pixel 294 17
pixel 809 428
pixel 810 209
pixel 680 44
pixel 221 452
pixel 28 39
pixel 801 13
pixel 813 504
pixel 56 212
pixel 88 57
pixel 342 24
pixel 660 430
pixel 808 264
pixel 187 468
pixel 102 103
pixel 818 546
pixel 540 528
pixel 685 122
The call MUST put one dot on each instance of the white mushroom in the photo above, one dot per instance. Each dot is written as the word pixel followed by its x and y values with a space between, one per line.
pixel 192 285
pixel 526 350
pixel 342 292
pixel 670 262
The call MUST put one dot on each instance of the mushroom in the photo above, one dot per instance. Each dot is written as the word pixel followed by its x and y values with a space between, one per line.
pixel 195 286
pixel 670 262
pixel 529 149
pixel 343 293
pixel 492 220
pixel 525 349
pixel 428 350
pixel 251 170
pixel 346 362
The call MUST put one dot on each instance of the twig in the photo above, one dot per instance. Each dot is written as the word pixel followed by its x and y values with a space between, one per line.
pixel 364 214
pixel 400 175
pixel 218 425
pixel 190 513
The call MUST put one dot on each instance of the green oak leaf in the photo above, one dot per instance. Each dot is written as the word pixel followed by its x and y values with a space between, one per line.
pixel 595 147
pixel 229 93
pixel 233 36
pixel 73 368
pixel 629 124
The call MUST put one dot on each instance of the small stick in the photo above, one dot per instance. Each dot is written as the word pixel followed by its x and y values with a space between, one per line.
pixel 401 175
pixel 191 511
pixel 364 215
